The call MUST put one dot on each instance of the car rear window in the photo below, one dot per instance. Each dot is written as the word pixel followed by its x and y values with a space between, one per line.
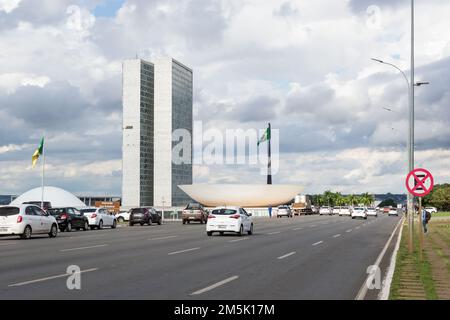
pixel 225 212
pixel 359 208
pixel 55 212
pixel 344 207
pixel 138 210
pixel 87 210
pixel 9 211
pixel 194 206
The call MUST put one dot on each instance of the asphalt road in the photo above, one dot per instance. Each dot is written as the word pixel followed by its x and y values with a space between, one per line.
pixel 312 257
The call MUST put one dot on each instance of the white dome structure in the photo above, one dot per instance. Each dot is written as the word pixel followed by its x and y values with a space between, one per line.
pixel 244 195
pixel 56 196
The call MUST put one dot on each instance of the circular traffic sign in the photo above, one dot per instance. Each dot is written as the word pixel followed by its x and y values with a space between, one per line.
pixel 419 182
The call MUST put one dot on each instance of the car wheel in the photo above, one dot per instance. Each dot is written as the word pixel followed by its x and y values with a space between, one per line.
pixel 141 223
pixel 69 227
pixel 241 230
pixel 121 219
pixel 150 221
pixel 26 233
pixel 53 231
pixel 184 221
pixel 131 224
pixel 250 232
pixel 209 233
pixel 159 222
pixel 100 225
pixel 114 225
pixel 92 228
pixel 86 226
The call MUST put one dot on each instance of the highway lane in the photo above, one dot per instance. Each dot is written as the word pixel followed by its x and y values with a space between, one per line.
pixel 298 258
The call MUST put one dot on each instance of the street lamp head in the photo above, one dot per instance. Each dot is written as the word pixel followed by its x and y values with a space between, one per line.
pixel 418 84
pixel 377 60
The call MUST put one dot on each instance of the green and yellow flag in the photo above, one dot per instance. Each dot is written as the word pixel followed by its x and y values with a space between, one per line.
pixel 38 152
pixel 265 136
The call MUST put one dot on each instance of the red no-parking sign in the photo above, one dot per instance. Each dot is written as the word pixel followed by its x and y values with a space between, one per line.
pixel 419 182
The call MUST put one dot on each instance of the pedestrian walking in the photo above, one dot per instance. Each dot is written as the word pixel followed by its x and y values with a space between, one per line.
pixel 426 216
pixel 270 212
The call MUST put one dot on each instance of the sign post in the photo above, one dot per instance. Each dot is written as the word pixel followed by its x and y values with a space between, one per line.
pixel 419 183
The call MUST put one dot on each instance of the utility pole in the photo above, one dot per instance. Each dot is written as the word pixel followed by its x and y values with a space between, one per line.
pixel 410 199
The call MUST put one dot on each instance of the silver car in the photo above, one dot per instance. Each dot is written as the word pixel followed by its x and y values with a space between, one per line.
pixel 284 211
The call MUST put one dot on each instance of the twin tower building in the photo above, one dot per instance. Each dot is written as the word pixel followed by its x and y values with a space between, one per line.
pixel 157 99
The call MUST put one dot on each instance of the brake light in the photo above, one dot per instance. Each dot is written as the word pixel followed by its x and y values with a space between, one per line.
pixel 211 216
pixel 64 216
pixel 235 216
pixel 19 219
pixel 94 215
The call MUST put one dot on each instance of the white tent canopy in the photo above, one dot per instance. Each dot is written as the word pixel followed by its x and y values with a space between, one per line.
pixel 56 196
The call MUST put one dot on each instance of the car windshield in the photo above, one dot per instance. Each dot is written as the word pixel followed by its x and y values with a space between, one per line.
pixel 359 208
pixel 324 208
pixel 225 212
pixel 194 206
pixel 282 207
pixel 370 208
pixel 337 207
pixel 344 207
pixel 87 210
pixel 9 211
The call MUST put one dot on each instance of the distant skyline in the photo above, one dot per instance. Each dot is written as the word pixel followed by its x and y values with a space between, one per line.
pixel 302 65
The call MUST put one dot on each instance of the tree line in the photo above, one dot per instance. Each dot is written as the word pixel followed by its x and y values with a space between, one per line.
pixel 439 197
pixel 329 198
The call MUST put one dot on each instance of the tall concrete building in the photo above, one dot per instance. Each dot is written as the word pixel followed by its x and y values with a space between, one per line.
pixel 157 100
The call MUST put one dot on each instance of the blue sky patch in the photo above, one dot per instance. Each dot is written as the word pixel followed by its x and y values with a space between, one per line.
pixel 108 8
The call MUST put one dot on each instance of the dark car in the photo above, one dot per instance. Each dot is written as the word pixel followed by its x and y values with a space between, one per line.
pixel 146 215
pixel 194 212
pixel 69 218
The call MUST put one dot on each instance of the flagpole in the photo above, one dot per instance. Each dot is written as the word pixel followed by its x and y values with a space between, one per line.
pixel 43 173
pixel 269 162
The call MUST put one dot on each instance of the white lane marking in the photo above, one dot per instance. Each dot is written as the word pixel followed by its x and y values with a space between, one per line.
pixel 50 278
pixel 386 286
pixel 83 248
pixel 349 230
pixel 162 238
pixel 237 240
pixel 295 229
pixel 357 227
pixel 8 244
pixel 363 290
pixel 215 285
pixel 337 235
pixel 183 251
pixel 315 244
pixel 286 255
pixel 276 232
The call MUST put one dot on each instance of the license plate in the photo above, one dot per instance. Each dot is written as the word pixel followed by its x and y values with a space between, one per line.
pixel 222 227
pixel 3 229
pixel 191 218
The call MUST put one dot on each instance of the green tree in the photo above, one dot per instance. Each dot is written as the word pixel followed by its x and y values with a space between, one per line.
pixel 439 197
pixel 387 203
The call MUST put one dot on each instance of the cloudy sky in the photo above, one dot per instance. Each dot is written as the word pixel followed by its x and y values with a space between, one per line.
pixel 303 65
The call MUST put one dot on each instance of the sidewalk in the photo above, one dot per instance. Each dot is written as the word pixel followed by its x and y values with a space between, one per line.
pixel 429 278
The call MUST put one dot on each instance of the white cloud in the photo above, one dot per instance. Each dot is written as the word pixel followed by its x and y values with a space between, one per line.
pixel 9 5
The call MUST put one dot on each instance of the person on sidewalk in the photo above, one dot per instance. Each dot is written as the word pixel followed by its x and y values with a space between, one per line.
pixel 426 216
pixel 270 211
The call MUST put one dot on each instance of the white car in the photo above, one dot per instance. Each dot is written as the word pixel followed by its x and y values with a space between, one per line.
pixel 284 211
pixel 336 210
pixel 99 218
pixel 372 212
pixel 359 212
pixel 393 212
pixel 431 210
pixel 325 210
pixel 229 219
pixel 25 220
pixel 345 211
pixel 123 216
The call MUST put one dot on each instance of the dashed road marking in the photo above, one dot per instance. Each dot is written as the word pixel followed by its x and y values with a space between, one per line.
pixel 286 255
pixel 215 285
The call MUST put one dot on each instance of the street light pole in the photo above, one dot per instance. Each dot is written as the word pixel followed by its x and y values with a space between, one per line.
pixel 410 197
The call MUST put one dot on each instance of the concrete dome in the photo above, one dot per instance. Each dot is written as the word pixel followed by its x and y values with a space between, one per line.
pixel 56 196
pixel 245 195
